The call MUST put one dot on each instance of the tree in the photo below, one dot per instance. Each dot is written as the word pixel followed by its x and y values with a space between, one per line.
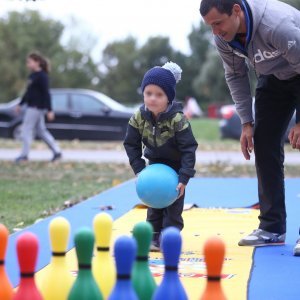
pixel 201 42
pixel 210 83
pixel 125 64
pixel 20 33
pixel 120 77
pixel 73 69
pixel 295 3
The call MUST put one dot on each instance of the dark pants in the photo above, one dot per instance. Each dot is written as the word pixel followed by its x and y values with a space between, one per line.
pixel 166 217
pixel 275 104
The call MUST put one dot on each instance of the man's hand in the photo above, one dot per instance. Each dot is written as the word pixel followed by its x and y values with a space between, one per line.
pixel 50 116
pixel 246 140
pixel 180 188
pixel 294 136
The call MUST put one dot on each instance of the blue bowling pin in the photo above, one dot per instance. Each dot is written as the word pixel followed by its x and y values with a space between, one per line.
pixel 171 286
pixel 125 253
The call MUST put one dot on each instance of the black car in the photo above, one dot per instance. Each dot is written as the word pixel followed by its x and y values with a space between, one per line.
pixel 79 114
pixel 230 123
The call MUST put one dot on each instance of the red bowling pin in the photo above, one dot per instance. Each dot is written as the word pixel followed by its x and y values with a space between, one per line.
pixel 214 253
pixel 27 250
pixel 6 291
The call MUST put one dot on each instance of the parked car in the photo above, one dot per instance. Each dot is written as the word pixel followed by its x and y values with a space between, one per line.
pixel 230 124
pixel 79 114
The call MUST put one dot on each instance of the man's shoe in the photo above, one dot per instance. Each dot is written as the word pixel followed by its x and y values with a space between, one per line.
pixel 155 247
pixel 297 248
pixel 56 157
pixel 21 159
pixel 261 237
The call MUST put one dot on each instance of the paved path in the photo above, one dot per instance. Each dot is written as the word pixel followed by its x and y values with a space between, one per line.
pixel 117 156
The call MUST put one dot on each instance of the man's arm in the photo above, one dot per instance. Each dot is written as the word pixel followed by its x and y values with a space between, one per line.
pixel 236 75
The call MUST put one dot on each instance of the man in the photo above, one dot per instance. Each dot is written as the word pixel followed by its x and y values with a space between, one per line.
pixel 266 34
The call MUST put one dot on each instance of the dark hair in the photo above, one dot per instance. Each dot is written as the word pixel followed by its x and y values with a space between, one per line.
pixel 222 6
pixel 43 61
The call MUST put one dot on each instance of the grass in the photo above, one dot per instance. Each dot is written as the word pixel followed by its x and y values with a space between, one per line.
pixel 205 129
pixel 36 190
pixel 206 132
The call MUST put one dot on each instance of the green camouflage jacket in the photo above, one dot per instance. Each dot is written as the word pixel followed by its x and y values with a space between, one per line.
pixel 168 140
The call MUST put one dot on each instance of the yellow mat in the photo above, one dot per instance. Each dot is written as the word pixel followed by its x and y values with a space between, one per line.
pixel 229 224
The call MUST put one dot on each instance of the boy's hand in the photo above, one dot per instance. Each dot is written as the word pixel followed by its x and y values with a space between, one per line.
pixel 180 188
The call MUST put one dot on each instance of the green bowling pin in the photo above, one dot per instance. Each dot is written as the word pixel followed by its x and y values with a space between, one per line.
pixel 85 286
pixel 142 278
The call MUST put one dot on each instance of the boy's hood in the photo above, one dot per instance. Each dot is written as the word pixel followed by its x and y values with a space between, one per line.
pixel 174 108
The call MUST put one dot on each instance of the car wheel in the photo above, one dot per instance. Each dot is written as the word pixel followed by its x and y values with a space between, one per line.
pixel 17 132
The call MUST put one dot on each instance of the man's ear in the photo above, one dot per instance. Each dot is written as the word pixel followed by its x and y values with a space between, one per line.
pixel 236 9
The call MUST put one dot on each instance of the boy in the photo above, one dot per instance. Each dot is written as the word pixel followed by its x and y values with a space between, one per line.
pixel 167 137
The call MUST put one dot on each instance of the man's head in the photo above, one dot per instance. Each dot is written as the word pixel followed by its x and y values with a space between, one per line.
pixel 224 16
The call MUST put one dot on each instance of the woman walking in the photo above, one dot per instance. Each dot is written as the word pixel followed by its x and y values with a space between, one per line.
pixel 38 101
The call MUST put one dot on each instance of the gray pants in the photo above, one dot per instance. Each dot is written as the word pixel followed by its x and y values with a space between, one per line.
pixel 34 125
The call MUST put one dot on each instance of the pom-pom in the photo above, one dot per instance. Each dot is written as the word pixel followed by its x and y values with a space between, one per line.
pixel 175 69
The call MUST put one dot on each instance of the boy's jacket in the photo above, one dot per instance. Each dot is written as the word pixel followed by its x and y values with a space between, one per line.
pixel 167 140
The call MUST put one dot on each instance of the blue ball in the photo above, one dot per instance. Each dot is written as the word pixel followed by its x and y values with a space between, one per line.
pixel 156 186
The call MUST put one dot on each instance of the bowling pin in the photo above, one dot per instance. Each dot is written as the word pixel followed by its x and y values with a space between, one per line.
pixel 27 251
pixel 142 278
pixel 85 286
pixel 171 286
pixel 57 280
pixel 6 291
pixel 125 252
pixel 214 252
pixel 103 263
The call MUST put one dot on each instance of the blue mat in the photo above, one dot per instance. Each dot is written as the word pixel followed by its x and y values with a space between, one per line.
pixel 275 274
pixel 122 198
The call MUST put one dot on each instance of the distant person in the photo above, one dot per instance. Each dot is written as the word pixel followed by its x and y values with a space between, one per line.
pixel 266 34
pixel 160 128
pixel 191 108
pixel 38 104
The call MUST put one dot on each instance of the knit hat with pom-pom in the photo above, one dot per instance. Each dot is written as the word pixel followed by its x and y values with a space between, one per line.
pixel 165 77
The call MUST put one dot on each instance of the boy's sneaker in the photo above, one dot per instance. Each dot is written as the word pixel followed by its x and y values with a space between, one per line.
pixel 261 237
pixel 297 248
pixel 155 247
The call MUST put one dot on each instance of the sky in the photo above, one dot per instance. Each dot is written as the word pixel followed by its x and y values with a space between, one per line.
pixel 109 20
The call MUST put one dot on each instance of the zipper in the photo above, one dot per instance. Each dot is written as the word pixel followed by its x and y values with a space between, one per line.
pixel 154 135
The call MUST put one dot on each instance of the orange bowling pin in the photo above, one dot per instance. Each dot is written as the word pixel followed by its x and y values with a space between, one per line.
pixel 6 291
pixel 214 252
